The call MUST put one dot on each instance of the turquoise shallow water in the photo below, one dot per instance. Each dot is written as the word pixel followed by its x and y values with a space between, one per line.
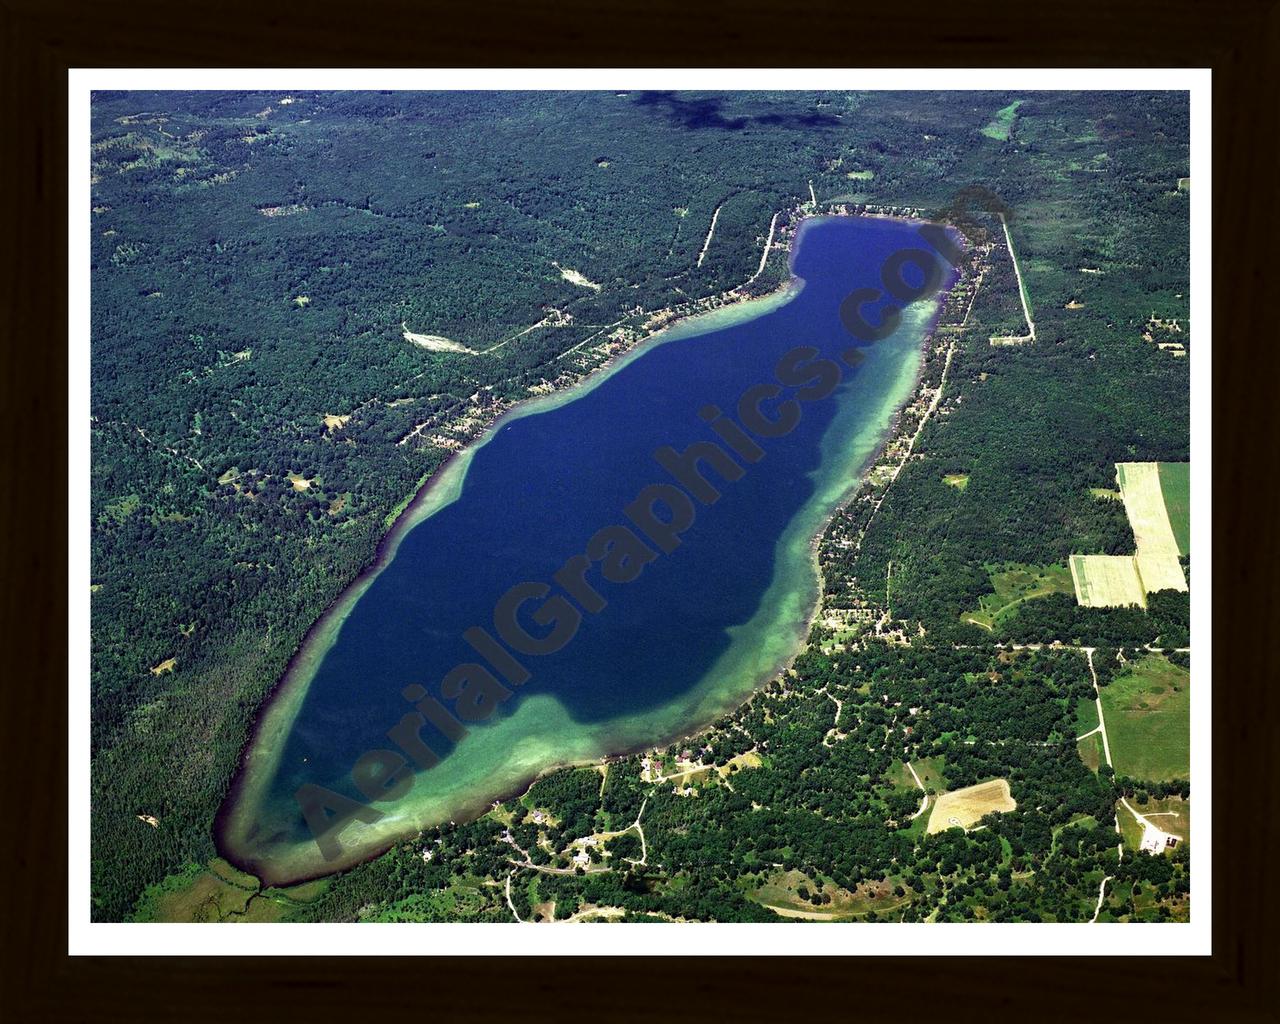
pixel 653 656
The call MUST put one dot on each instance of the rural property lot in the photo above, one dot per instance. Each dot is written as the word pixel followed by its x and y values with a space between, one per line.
pixel 1148 715
pixel 964 807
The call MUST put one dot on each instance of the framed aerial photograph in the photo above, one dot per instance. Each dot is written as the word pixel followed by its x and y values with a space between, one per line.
pixel 794 510
pixel 697 499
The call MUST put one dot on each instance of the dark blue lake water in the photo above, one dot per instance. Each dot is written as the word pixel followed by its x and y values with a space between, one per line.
pixel 546 482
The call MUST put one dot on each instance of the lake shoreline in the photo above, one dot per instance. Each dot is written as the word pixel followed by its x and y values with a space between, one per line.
pixel 893 432
pixel 320 635
pixel 440 489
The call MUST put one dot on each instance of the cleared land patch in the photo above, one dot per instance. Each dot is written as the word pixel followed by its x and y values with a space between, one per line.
pixel 747 759
pixel 1001 125
pixel 574 277
pixel 1014 584
pixel 1171 814
pixel 434 342
pixel 929 769
pixel 1030 336
pixel 1086 716
pixel 964 807
pixel 1148 714
pixel 957 480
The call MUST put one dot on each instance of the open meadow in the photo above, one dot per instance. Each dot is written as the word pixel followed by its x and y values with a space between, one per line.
pixel 1014 584
pixel 793 894
pixel 1148 713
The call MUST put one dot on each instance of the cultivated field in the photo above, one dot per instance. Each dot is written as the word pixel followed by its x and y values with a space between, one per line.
pixel 1148 714
pixel 1157 547
pixel 964 807
pixel 1160 572
pixel 1107 581
pixel 1111 581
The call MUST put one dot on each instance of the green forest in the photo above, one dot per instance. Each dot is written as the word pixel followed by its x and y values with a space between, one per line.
pixel 259 418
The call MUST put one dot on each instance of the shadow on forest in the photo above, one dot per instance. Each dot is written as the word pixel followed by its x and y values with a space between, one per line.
pixel 706 112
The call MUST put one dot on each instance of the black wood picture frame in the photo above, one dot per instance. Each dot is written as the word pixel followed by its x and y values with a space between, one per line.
pixel 42 39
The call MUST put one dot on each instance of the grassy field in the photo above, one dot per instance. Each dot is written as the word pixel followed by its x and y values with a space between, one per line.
pixel 1171 814
pixel 930 770
pixel 1014 584
pixel 1148 713
pixel 198 894
pixel 1091 752
pixel 964 807
pixel 1002 124
pixel 957 480
pixel 1086 715
pixel 1107 581
pixel 787 894
pixel 1130 830
pixel 1175 485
